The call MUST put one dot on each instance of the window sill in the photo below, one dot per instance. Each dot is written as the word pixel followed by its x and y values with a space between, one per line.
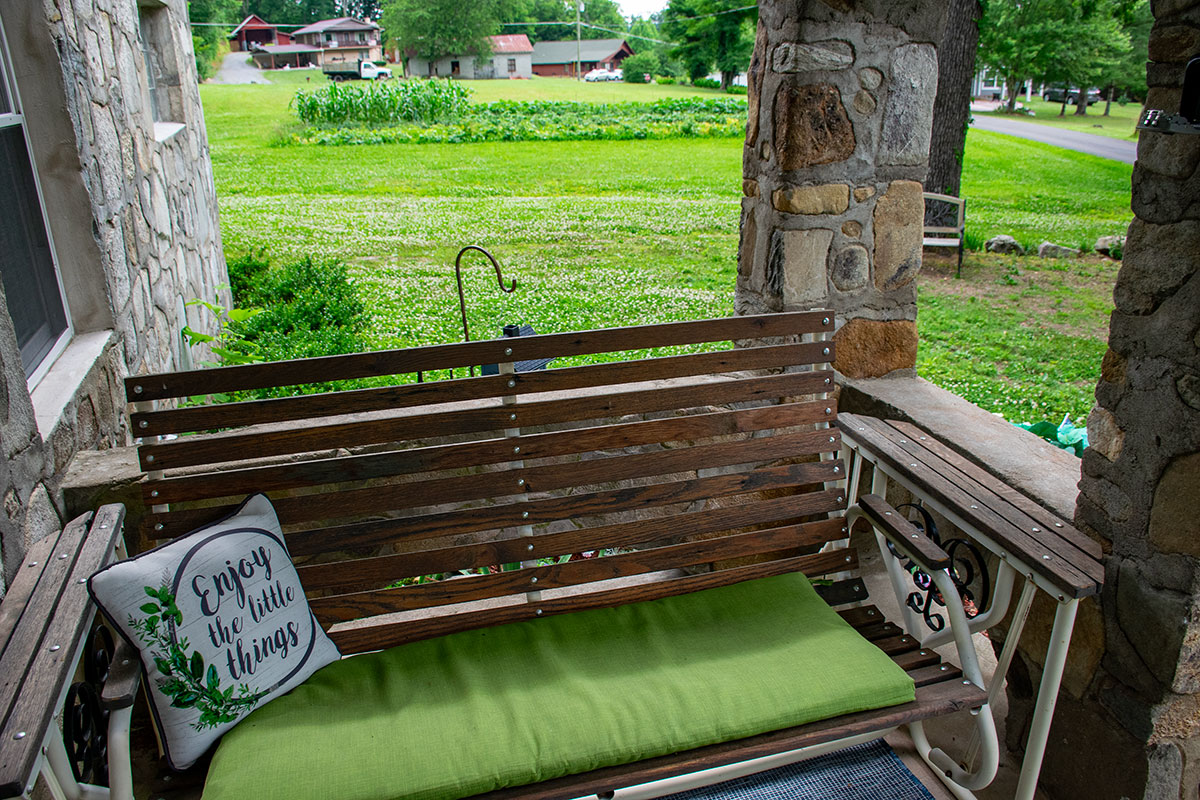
pixel 56 390
pixel 165 130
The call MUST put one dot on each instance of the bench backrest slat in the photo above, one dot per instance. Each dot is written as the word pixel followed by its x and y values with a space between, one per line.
pixel 475 420
pixel 492 351
pixel 721 463
pixel 391 634
pixel 361 401
pixel 388 568
pixel 499 516
pixel 344 607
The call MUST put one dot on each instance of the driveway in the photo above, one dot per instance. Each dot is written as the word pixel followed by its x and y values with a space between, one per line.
pixel 235 68
pixel 1103 146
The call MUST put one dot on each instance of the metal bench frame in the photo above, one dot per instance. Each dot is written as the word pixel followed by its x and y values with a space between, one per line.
pixel 862 447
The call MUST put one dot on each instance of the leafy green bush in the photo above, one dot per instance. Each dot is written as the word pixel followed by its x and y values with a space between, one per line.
pixel 636 67
pixel 299 310
pixel 419 100
pixel 664 80
pixel 706 83
pixel 735 89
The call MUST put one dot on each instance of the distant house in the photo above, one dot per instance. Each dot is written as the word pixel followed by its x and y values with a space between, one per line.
pixel 342 39
pixel 558 58
pixel 511 57
pixel 253 32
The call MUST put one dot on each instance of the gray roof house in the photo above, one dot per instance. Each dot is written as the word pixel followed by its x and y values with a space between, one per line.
pixel 558 58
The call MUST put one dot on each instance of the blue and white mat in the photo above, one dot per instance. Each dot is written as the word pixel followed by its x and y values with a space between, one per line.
pixel 868 771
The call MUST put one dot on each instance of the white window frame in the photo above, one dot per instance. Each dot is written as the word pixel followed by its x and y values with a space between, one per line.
pixel 14 118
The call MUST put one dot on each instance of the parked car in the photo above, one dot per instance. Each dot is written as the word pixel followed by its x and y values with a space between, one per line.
pixel 1072 95
pixel 599 74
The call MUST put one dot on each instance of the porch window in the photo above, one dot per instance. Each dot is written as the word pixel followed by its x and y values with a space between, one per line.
pixel 512 65
pixel 32 288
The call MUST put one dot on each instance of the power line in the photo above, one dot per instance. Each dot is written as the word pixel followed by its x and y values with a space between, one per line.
pixel 714 14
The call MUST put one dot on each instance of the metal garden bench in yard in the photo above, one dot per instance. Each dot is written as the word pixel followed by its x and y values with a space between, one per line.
pixel 945 223
pixel 632 570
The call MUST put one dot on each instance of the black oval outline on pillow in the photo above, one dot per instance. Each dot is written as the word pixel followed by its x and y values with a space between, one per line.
pixel 312 620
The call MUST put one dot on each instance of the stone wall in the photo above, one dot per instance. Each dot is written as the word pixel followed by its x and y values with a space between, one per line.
pixel 841 102
pixel 1141 476
pixel 132 212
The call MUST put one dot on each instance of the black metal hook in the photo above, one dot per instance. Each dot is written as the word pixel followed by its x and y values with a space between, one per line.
pixel 462 299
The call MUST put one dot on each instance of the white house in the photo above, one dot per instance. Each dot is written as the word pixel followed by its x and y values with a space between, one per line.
pixel 511 57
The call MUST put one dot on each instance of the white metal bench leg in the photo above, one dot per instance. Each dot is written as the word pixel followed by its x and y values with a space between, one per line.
pixel 1047 697
pixel 60 778
pixel 120 765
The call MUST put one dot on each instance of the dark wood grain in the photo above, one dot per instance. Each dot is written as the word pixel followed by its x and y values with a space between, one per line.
pixel 16 600
pixel 124 678
pixel 966 497
pixel 436 357
pixel 381 570
pixel 850 590
pixel 361 401
pixel 472 454
pixel 934 700
pixel 191 451
pixel 1051 523
pixel 49 649
pixel 332 505
pixel 355 640
pixel 341 608
pixel 499 516
pixel 928 554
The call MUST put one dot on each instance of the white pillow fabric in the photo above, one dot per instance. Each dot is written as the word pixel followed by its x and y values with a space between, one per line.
pixel 221 622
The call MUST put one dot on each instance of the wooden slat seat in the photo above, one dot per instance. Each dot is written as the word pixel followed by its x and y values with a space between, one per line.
pixel 43 618
pixel 1066 558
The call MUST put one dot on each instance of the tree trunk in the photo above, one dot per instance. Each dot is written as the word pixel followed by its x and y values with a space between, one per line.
pixel 1010 86
pixel 1081 101
pixel 1108 100
pixel 952 106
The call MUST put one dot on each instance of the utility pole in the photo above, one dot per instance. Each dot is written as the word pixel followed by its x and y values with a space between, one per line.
pixel 578 36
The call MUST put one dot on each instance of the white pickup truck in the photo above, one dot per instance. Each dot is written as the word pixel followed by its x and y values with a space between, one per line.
pixel 348 70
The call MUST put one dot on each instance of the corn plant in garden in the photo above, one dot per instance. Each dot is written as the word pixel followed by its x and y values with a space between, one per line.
pixel 420 101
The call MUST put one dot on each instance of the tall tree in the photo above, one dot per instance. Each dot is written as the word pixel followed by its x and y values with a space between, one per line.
pixel 952 106
pixel 1096 43
pixel 434 29
pixel 711 33
pixel 601 19
pixel 1022 39
pixel 206 37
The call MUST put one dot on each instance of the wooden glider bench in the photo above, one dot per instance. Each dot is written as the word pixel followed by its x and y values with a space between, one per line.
pixel 45 632
pixel 945 223
pixel 584 579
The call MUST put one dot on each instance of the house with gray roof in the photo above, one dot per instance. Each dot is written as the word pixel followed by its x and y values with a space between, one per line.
pixel 558 58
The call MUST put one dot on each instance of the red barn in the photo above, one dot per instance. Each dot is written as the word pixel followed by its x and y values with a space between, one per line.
pixel 254 30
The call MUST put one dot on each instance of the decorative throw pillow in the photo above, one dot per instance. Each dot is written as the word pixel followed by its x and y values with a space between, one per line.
pixel 221 622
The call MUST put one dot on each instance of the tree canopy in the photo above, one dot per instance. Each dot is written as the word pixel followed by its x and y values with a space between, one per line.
pixel 1067 43
pixel 602 19
pixel 711 34
pixel 434 29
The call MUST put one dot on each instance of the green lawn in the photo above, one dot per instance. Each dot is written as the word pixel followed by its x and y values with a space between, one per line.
pixel 621 232
pixel 1119 123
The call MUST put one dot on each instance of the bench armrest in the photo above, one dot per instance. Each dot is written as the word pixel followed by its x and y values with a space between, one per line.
pixel 903 534
pixel 124 678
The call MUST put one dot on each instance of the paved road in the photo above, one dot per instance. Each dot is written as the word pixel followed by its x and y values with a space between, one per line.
pixel 1103 146
pixel 236 69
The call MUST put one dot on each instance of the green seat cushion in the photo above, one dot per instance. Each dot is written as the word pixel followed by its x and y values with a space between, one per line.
pixel 514 704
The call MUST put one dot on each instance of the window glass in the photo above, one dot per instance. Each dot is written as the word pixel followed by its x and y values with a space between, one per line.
pixel 5 104
pixel 151 68
pixel 30 282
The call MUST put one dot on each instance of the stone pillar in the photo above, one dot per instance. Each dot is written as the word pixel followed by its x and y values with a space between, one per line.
pixel 841 103
pixel 1141 476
